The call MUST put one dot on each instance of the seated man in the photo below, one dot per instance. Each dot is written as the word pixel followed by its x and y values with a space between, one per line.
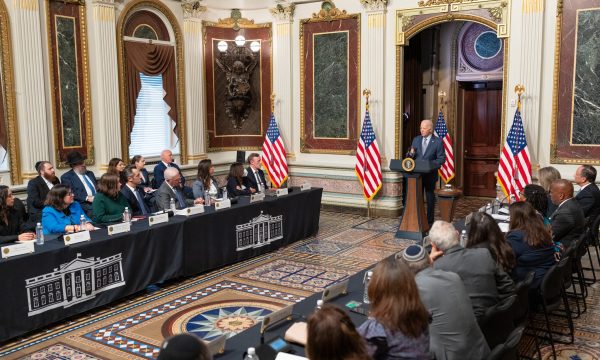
pixel 38 188
pixel 166 161
pixel 256 177
pixel 134 192
pixel 171 189
pixel 485 281
pixel 567 222
pixel 81 181
pixel 589 195
pixel 453 331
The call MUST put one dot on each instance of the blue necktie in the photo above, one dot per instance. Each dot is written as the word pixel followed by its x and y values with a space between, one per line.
pixel 182 204
pixel 89 183
pixel 140 202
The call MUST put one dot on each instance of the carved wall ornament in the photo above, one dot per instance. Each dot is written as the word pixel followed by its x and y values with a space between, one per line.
pixel 192 8
pixel 236 21
pixel 423 3
pixel 496 13
pixel 406 21
pixel 329 12
pixel 374 4
pixel 283 11
pixel 559 8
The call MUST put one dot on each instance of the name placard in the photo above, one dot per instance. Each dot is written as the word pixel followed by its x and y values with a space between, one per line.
pixel 158 219
pixel 119 228
pixel 257 197
pixel 217 346
pixel 18 249
pixel 304 187
pixel 220 205
pixel 276 316
pixel 335 290
pixel 77 237
pixel 194 210
pixel 281 192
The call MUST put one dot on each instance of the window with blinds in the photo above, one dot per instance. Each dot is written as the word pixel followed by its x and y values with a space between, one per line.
pixel 152 128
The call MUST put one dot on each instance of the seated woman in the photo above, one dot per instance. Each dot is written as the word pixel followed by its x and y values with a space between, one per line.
pixel 538 198
pixel 331 335
pixel 11 222
pixel 485 233
pixel 397 327
pixel 140 163
pixel 205 180
pixel 546 176
pixel 62 213
pixel 237 182
pixel 116 166
pixel 531 242
pixel 109 203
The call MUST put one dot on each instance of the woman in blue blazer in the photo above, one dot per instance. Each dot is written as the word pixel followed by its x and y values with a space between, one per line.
pixel 205 180
pixel 62 213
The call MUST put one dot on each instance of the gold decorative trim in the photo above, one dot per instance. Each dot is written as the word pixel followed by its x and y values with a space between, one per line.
pixel 399 94
pixel 236 21
pixel 303 148
pixel 87 103
pixel 197 157
pixel 329 12
pixel 428 3
pixel 127 11
pixel 8 88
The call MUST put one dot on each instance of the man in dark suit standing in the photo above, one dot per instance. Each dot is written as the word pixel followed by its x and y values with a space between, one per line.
pixel 568 222
pixel 430 148
pixel 81 181
pixel 589 195
pixel 256 177
pixel 38 188
pixel 171 189
pixel 134 193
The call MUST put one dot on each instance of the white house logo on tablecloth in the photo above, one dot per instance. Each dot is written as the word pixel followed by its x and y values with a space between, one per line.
pixel 260 231
pixel 73 282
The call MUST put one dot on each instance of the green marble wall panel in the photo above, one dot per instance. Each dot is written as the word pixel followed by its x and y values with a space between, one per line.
pixel 331 85
pixel 586 102
pixel 69 85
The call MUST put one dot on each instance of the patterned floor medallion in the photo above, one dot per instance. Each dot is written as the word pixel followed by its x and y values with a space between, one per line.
pixel 60 351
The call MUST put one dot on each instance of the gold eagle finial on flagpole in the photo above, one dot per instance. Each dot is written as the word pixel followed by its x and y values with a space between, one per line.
pixel 519 90
pixel 366 93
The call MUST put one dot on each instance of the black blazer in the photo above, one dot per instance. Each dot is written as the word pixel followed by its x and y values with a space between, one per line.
pixel 232 185
pixel 589 200
pixel 146 181
pixel 10 232
pixel 252 180
pixel 37 190
pixel 159 174
pixel 132 200
pixel 568 222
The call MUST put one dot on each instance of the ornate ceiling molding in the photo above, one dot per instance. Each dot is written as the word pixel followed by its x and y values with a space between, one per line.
pixel 236 21
pixel 283 12
pixel 192 8
pixel 374 5
pixel 329 12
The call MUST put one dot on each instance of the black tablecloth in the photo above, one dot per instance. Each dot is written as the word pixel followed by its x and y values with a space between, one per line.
pixel 59 281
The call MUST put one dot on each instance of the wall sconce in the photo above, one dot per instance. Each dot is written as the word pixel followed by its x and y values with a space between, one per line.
pixel 238 63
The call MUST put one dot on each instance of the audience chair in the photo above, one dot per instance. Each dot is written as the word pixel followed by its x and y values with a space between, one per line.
pixel 509 349
pixel 497 323
pixel 522 308
pixel 592 241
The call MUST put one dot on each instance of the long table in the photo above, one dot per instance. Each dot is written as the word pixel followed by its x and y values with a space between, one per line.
pixel 58 281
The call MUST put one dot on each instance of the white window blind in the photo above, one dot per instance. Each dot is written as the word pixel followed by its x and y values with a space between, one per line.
pixel 153 128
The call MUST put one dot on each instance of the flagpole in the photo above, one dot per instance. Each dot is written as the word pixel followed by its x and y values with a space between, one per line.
pixel 441 95
pixel 519 90
pixel 366 93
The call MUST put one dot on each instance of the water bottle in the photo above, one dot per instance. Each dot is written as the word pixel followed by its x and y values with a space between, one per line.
pixel 126 215
pixel 366 281
pixel 319 304
pixel 172 205
pixel 82 222
pixel 206 198
pixel 225 193
pixel 463 238
pixel 488 208
pixel 39 234
pixel 251 354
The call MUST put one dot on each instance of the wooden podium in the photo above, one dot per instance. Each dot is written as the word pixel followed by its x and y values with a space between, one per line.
pixel 414 224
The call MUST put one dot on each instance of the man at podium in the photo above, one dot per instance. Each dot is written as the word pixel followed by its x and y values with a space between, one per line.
pixel 430 148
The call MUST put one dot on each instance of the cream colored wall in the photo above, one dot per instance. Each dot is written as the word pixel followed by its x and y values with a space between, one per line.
pixel 531 55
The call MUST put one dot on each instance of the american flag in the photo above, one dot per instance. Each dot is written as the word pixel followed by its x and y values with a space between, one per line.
pixel 447 170
pixel 514 171
pixel 368 160
pixel 274 154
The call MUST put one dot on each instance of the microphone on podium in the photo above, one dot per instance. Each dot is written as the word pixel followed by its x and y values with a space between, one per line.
pixel 411 153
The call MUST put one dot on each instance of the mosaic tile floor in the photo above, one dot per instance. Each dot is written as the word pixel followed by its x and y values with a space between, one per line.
pixel 235 298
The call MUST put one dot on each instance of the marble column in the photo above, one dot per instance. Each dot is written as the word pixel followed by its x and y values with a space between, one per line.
pixel 194 84
pixel 282 66
pixel 29 65
pixel 374 66
pixel 105 83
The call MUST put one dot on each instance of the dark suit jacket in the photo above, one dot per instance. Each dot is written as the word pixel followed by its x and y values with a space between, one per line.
pixel 568 222
pixel 132 200
pixel 435 150
pixel 232 185
pixel 164 195
pixel 528 258
pixel 252 180
pixel 10 232
pixel 72 180
pixel 589 200
pixel 146 181
pixel 37 190
pixel 159 174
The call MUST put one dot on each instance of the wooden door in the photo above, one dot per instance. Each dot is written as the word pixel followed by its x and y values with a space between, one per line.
pixel 412 111
pixel 480 111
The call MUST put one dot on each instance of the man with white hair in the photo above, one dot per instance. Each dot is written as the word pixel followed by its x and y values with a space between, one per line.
pixel 166 161
pixel 171 189
pixel 485 281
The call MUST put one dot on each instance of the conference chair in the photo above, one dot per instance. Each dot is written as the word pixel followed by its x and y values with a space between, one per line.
pixel 521 309
pixel 497 323
pixel 592 241
pixel 509 349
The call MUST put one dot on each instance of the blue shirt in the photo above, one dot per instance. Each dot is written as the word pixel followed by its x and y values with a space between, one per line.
pixel 54 221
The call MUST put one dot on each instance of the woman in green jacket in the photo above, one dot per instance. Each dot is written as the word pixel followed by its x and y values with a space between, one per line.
pixel 109 203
